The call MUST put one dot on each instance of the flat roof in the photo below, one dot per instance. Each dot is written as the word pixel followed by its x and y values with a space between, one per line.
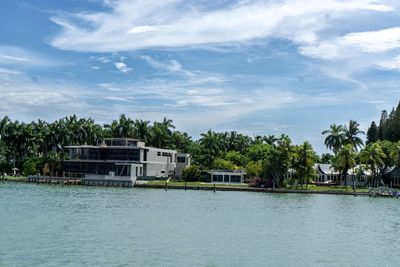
pixel 228 171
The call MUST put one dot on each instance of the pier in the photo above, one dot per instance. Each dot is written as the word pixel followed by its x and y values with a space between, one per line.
pixel 382 192
pixel 64 181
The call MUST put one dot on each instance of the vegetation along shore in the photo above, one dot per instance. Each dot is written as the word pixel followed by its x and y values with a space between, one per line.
pixel 26 148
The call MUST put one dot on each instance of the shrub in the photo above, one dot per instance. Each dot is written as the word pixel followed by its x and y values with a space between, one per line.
pixel 191 173
pixel 31 166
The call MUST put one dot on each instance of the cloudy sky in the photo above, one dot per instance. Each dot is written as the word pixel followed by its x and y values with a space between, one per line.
pixel 258 67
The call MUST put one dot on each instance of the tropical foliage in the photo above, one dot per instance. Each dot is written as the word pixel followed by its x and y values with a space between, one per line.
pixel 388 128
pixel 35 145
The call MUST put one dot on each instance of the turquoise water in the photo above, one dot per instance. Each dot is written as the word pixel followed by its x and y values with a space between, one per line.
pixel 94 226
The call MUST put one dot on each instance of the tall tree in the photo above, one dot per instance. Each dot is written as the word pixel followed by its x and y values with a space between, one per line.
pixel 372 133
pixel 395 153
pixel 382 126
pixel 276 163
pixel 303 162
pixel 335 137
pixel 142 129
pixel 344 161
pixel 351 135
pixel 374 157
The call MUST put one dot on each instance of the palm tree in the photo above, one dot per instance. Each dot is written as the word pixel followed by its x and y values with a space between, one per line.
pixel 142 129
pixel 351 135
pixel 167 124
pixel 373 156
pixel 334 138
pixel 159 136
pixel 122 128
pixel 213 145
pixel 4 123
pixel 270 139
pixel 211 141
pixel 181 141
pixel 395 153
pixel 344 160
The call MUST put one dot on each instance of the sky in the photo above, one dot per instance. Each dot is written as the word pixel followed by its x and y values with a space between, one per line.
pixel 257 67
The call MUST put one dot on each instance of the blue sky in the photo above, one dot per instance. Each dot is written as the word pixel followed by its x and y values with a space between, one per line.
pixel 258 67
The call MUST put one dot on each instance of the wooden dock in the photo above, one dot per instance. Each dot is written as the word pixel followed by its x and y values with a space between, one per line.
pixel 64 181
pixel 382 192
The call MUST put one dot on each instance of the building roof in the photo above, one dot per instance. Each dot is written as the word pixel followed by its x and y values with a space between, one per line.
pixel 326 169
pixel 227 171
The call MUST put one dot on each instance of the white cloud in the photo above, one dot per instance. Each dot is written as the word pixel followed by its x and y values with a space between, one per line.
pixel 118 98
pixel 9 71
pixel 122 67
pixel 11 55
pixel 354 44
pixel 172 65
pixel 373 41
pixel 144 24
pixel 393 64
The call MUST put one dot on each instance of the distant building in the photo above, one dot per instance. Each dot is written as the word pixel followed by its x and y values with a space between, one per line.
pixel 123 159
pixel 327 174
pixel 394 176
pixel 227 176
pixel 182 161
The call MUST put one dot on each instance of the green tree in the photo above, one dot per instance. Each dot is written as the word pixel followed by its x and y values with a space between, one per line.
pixel 142 129
pixel 304 158
pixel 373 156
pixel 121 128
pixel 223 164
pixel 254 169
pixel 191 173
pixel 276 163
pixel 180 141
pixel 395 153
pixel 326 158
pixel 382 129
pixel 344 161
pixel 259 151
pixel 351 133
pixel 372 133
pixel 211 142
pixel 335 137
pixel 236 158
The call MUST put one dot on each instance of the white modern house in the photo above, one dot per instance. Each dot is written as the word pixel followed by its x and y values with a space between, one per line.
pixel 123 159
pixel 182 161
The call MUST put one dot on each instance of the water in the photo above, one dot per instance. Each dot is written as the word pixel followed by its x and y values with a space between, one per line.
pixel 95 226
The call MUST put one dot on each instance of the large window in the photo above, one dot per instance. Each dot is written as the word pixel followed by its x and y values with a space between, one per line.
pixel 226 178
pixel 217 178
pixel 236 178
pixel 181 159
pixel 102 153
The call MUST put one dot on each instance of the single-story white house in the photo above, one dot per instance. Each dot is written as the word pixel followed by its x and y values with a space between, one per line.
pixel 327 174
pixel 227 176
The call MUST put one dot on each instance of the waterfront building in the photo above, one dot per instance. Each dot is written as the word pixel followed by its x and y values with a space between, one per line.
pixel 328 175
pixel 227 176
pixel 394 176
pixel 182 161
pixel 123 159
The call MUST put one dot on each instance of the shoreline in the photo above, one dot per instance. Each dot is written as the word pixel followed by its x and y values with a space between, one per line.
pixel 224 188
pixel 251 189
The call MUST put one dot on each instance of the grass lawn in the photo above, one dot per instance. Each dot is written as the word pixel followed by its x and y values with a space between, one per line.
pixel 309 188
pixel 14 178
pixel 335 188
pixel 181 183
